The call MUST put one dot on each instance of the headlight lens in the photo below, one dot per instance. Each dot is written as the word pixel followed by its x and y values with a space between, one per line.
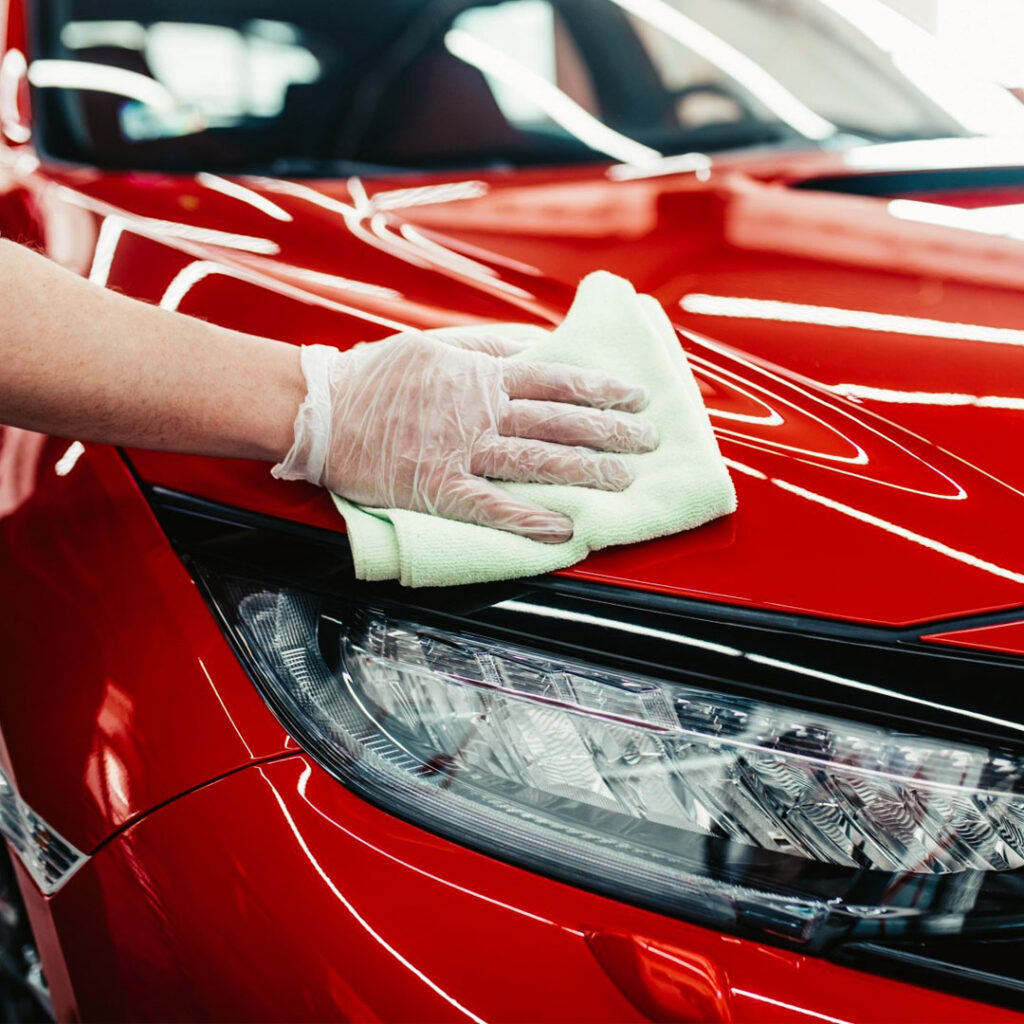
pixel 47 856
pixel 738 813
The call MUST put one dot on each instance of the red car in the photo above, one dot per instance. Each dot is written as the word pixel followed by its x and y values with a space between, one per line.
pixel 768 770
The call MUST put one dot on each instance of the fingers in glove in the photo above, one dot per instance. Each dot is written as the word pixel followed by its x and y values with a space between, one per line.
pixel 600 429
pixel 475 500
pixel 489 344
pixel 557 382
pixel 537 462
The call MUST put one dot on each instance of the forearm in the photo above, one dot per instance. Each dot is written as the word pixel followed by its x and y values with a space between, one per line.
pixel 81 361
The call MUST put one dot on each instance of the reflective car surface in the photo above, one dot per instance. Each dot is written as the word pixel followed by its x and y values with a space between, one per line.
pixel 771 769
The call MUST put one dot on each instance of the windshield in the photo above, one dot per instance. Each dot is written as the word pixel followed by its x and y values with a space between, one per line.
pixel 309 86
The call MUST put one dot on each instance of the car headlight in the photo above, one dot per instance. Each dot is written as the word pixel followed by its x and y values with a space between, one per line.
pixel 743 814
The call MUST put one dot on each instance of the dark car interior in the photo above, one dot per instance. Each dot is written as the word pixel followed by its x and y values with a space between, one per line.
pixel 322 88
pixel 386 89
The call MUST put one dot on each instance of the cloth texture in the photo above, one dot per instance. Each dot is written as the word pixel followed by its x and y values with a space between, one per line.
pixel 683 484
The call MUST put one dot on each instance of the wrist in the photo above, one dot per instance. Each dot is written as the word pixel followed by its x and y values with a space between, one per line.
pixel 279 401
pixel 308 442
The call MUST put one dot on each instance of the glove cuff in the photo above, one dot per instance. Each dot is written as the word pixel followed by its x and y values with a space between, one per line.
pixel 307 457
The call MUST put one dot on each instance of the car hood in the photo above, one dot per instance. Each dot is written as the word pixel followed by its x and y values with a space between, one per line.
pixel 860 355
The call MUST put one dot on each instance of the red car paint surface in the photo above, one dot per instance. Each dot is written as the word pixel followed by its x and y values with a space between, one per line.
pixel 852 449
pixel 231 877
pixel 356 911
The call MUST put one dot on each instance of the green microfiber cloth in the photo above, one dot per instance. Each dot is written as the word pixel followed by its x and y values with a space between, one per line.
pixel 682 484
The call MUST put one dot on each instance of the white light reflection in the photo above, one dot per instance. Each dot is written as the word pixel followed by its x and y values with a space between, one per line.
pixel 759 659
pixel 342 284
pixel 69 459
pixel 738 66
pixel 856 684
pixel 76 74
pixel 429 195
pixel 151 227
pixel 234 190
pixel 336 892
pixel 1002 221
pixel 106 245
pixel 947 80
pixel 224 708
pixel 745 470
pixel 563 110
pixel 79 35
pixel 883 524
pixel 936 154
pixel 208 236
pixel 186 279
pixel 362 211
pixel 13 68
pixel 619 626
pixel 899 531
pixel 189 276
pixel 458 262
pixel 303 785
pixel 790 1006
pixel 698 164
pixel 937 398
pixel 856 319
pixel 733 382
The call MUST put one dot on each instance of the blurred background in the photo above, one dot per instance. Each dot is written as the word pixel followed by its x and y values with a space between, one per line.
pixel 986 34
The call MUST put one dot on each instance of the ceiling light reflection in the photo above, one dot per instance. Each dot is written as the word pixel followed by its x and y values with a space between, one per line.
pixel 189 276
pixel 744 469
pixel 563 110
pixel 619 625
pixel 106 245
pixel 429 195
pixel 937 398
pixel 414 248
pixel 936 154
pixel 77 74
pixel 13 68
pixel 856 684
pixel 738 66
pixel 698 164
pixel 915 538
pixel 150 227
pixel 1004 221
pixel 234 190
pixel 186 279
pixel 356 916
pixel 946 79
pixel 831 316
pixel 69 459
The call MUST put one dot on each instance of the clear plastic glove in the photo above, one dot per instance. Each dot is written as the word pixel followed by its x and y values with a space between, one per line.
pixel 421 421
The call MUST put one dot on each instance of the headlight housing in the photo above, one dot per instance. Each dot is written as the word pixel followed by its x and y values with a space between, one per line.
pixel 746 814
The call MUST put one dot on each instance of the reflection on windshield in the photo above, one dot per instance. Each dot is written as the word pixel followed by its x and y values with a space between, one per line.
pixel 419 83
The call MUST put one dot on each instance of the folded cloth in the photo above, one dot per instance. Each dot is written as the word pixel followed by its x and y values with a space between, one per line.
pixel 684 483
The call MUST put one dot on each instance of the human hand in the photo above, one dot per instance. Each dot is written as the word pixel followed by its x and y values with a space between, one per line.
pixel 425 422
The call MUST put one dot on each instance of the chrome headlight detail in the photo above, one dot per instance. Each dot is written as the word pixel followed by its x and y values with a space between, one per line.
pixel 737 813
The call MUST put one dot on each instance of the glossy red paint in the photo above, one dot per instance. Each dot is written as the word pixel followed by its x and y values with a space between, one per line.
pixel 102 621
pixel 327 908
pixel 809 413
pixel 1007 638
pixel 874 485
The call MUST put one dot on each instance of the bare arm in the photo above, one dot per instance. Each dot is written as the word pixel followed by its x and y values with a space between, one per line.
pixel 415 422
pixel 84 362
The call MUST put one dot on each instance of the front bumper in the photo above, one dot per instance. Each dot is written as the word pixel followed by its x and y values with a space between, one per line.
pixel 275 894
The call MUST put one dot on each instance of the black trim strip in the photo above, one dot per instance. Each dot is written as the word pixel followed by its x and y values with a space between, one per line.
pixel 880 676
pixel 908 182
pixel 171 501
